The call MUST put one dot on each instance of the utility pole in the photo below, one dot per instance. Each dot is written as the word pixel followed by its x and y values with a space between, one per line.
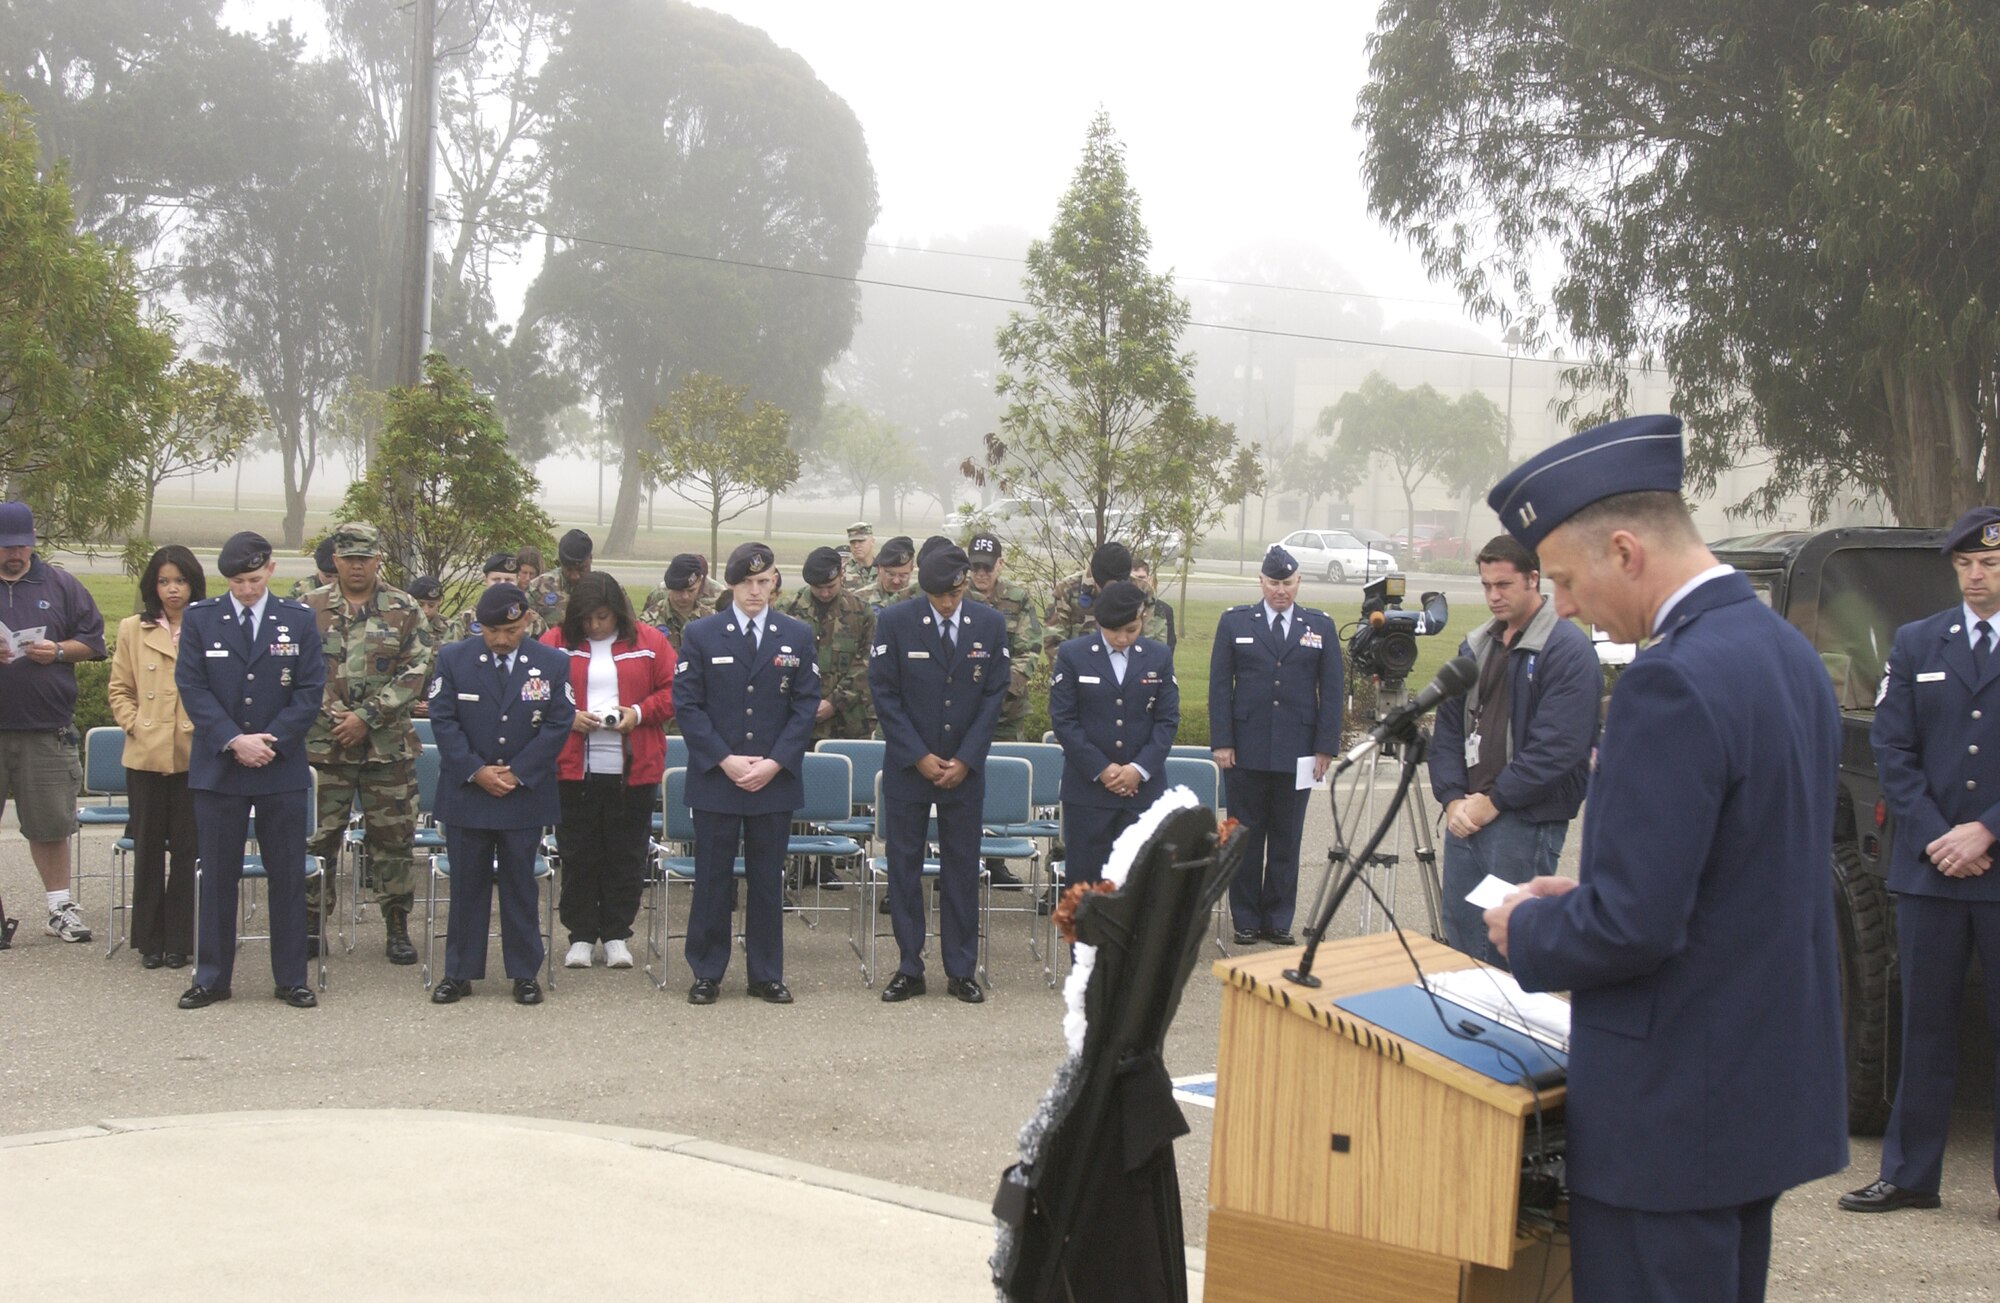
pixel 414 335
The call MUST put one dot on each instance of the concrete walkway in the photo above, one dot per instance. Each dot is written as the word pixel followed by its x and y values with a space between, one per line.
pixel 417 1204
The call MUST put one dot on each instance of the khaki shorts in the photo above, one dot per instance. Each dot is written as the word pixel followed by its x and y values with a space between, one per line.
pixel 40 774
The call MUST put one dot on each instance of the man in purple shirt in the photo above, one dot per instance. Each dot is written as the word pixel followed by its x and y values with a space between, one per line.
pixel 51 623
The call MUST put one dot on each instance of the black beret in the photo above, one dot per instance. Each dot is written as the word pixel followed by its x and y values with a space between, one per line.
pixel 426 588
pixel 1978 530
pixel 1640 454
pixel 501 604
pixel 748 559
pixel 500 563
pixel 822 566
pixel 243 553
pixel 943 570
pixel 1279 564
pixel 898 551
pixel 1118 603
pixel 574 548
pixel 683 572
pixel 984 547
pixel 323 556
pixel 931 544
pixel 1110 563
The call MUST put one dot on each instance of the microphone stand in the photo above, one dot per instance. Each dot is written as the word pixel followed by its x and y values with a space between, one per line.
pixel 1415 745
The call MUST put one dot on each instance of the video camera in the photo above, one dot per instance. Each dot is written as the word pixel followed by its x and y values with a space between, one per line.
pixel 1384 643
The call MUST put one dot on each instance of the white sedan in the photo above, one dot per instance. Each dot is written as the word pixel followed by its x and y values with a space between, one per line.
pixel 1335 555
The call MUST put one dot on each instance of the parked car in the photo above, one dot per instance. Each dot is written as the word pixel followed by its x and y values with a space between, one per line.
pixel 1374 538
pixel 1426 543
pixel 1335 555
pixel 1013 520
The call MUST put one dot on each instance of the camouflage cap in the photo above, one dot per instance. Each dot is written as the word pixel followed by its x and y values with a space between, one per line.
pixel 356 538
pixel 860 529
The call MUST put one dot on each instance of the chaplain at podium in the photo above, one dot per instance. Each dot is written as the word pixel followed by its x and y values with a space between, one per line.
pixel 1697 942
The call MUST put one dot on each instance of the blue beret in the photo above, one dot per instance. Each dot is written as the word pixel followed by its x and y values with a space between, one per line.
pixel 898 551
pixel 501 604
pixel 426 588
pixel 1978 530
pixel 243 553
pixel 931 544
pixel 943 570
pixel 573 548
pixel 323 556
pixel 748 559
pixel 1118 603
pixel 1110 563
pixel 501 563
pixel 1279 564
pixel 683 572
pixel 1640 454
pixel 822 566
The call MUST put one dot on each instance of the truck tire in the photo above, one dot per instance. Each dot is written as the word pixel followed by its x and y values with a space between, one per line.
pixel 1870 990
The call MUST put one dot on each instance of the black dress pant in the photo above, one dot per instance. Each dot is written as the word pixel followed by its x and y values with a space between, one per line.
pixel 602 839
pixel 162 830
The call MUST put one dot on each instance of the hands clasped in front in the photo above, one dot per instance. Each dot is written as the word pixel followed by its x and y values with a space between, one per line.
pixel 751 773
pixel 946 774
pixel 1964 852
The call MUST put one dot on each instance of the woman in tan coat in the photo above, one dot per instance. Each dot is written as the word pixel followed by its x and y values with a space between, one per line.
pixel 157 734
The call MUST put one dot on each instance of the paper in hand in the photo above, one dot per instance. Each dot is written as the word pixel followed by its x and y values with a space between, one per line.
pixel 1305 778
pixel 1490 892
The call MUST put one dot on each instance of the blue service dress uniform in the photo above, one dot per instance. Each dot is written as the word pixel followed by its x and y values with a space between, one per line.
pixel 733 697
pixel 1705 1072
pixel 1272 704
pixel 1102 720
pixel 1936 739
pixel 947 705
pixel 234 681
pixel 483 714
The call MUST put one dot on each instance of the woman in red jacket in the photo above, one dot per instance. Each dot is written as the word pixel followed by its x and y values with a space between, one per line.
pixel 622 673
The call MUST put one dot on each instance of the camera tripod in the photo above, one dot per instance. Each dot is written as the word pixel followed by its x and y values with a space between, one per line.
pixel 1384 855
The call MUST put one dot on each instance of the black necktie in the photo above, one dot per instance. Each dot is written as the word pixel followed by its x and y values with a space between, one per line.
pixel 249 624
pixel 1982 646
pixel 500 666
pixel 944 631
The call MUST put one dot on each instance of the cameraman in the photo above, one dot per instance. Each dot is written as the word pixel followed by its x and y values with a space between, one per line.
pixel 1509 762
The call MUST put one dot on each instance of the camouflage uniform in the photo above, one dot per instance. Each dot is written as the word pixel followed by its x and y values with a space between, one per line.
pixel 713 596
pixel 876 600
pixel 842 630
pixel 302 588
pixel 1070 617
pixel 377 662
pixel 661 615
pixel 1024 644
pixel 854 576
pixel 548 597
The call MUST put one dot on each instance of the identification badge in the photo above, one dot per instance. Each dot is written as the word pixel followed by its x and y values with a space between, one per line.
pixel 212 653
pixel 1935 676
pixel 1471 750
pixel 1243 640
pixel 919 656
pixel 465 696
pixel 1088 678
pixel 722 660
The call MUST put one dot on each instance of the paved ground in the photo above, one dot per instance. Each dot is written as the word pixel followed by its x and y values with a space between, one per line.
pixel 926 1095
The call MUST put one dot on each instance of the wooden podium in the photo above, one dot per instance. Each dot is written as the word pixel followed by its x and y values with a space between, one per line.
pixel 1352 1164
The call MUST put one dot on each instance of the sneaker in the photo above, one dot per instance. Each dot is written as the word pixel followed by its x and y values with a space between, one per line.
pixel 580 954
pixel 617 955
pixel 68 924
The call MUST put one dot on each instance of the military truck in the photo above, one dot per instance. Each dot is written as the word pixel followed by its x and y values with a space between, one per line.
pixel 1848 591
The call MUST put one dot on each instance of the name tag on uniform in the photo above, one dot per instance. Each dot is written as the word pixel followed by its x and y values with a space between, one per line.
pixel 1935 676
pixel 217 651
pixel 1088 678
pixel 468 696
pixel 1246 640
pixel 920 656
pixel 722 660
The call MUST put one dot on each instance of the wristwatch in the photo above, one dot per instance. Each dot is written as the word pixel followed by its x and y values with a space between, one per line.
pixel 59 653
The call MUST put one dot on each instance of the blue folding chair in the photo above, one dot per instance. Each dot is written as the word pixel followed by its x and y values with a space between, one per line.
pixel 103 777
pixel 676 758
pixel 864 757
pixel 828 800
pixel 426 736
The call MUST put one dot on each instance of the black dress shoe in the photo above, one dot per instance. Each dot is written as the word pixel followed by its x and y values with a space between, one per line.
pixel 965 989
pixel 200 997
pixel 1882 1197
pixel 1278 936
pixel 703 991
pixel 527 991
pixel 1244 938
pixel 1000 875
pixel 299 997
pixel 176 961
pixel 451 990
pixel 771 992
pixel 154 959
pixel 901 987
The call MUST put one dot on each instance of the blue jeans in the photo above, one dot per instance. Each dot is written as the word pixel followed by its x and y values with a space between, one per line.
pixel 1511 848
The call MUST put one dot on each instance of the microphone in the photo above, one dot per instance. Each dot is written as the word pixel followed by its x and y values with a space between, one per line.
pixel 1454 680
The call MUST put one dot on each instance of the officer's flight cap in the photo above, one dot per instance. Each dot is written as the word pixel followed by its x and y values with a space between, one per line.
pixel 1640 454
